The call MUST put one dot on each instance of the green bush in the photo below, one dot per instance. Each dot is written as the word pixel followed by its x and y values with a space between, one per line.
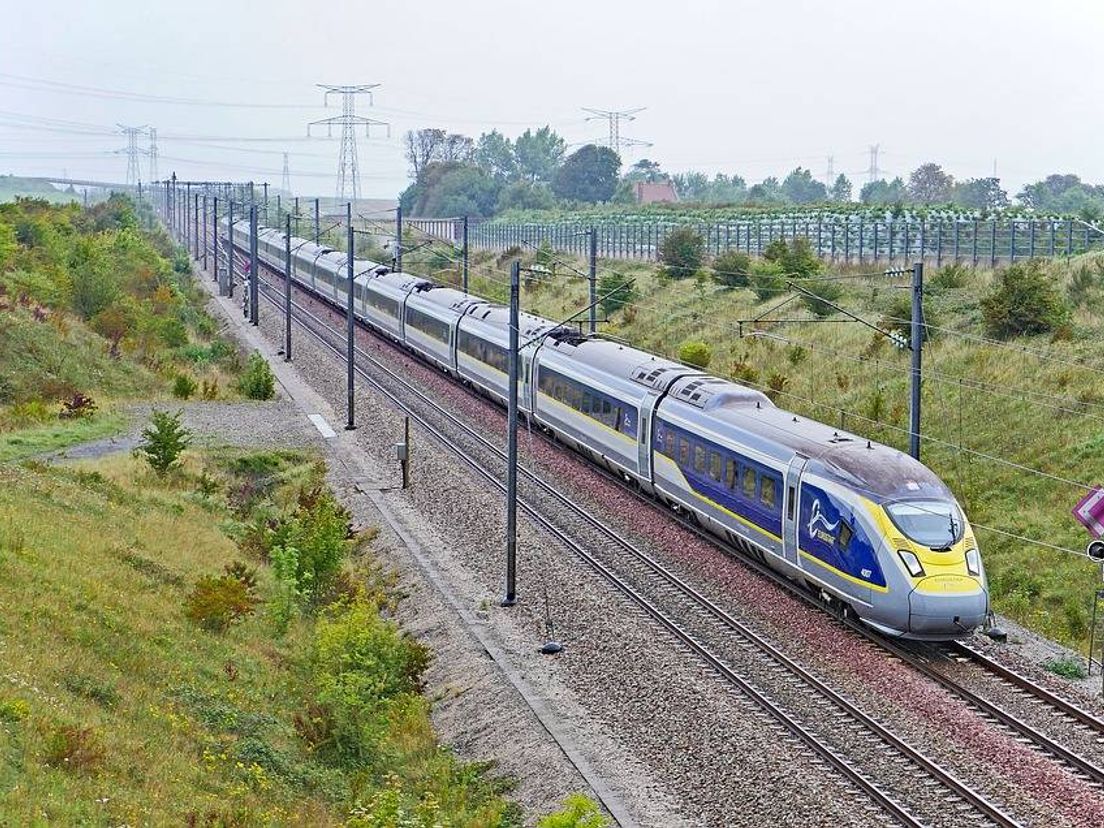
pixel 1067 667
pixel 732 269
pixel 823 292
pixel 766 280
pixel 184 387
pixel 216 602
pixel 163 440
pixel 682 253
pixel 697 354
pixel 795 259
pixel 364 668
pixel 308 548
pixel 616 292
pixel 578 811
pixel 257 382
pixel 951 276
pixel 1023 301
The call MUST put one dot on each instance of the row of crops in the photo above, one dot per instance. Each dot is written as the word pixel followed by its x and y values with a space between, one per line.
pixel 849 237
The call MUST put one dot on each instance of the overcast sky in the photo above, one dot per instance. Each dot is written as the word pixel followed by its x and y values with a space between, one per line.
pixel 753 88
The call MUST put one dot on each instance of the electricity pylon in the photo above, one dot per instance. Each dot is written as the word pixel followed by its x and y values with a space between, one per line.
pixel 614 117
pixel 348 173
pixel 285 180
pixel 134 172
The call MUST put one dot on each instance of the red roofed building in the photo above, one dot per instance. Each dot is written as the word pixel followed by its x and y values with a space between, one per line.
pixel 655 192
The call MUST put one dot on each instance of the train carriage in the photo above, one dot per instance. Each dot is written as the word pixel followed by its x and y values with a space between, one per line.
pixel 431 315
pixel 385 297
pixel 585 393
pixel 483 344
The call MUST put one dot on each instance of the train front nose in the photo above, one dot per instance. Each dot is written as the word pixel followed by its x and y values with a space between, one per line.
pixel 947 605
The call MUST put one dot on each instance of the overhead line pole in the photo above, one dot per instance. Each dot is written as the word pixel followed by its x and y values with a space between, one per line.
pixel 349 330
pixel 287 289
pixel 915 377
pixel 592 278
pixel 512 441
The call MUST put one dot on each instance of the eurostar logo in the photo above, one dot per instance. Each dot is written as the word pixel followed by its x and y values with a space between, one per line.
pixel 819 526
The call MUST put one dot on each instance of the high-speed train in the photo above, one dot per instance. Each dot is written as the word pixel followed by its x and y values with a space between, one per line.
pixel 873 531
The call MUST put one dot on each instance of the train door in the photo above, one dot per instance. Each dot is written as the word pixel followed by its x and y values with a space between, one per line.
pixel 644 436
pixel 790 510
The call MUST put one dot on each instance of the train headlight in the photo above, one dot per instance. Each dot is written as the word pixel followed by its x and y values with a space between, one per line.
pixel 973 562
pixel 912 563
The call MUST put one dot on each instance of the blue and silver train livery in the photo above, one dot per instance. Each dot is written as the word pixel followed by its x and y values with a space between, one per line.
pixel 862 524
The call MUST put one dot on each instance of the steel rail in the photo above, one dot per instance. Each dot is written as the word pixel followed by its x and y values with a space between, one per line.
pixel 954 785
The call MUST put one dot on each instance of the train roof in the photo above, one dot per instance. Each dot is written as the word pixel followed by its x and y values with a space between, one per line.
pixel 624 361
pixel 881 471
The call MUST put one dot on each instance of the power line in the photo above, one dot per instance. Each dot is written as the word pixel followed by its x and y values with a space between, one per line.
pixel 348 174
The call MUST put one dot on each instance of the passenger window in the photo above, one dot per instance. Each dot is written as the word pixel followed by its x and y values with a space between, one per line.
pixel 845 535
pixel 749 482
pixel 684 451
pixel 766 492
pixel 586 403
pixel 669 444
pixel 715 466
pixel 699 459
pixel 730 473
pixel 617 418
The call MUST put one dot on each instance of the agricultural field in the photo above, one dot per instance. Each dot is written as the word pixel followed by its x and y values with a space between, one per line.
pixel 1013 423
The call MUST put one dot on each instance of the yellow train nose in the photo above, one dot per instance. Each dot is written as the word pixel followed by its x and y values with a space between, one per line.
pixel 947 605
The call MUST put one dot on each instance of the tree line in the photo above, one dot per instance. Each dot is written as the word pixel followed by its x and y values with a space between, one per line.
pixel 455 174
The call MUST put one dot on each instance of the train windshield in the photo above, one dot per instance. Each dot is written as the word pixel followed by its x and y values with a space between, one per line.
pixel 934 523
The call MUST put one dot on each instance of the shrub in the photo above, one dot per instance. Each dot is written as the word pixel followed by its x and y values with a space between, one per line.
pixel 1024 301
pixel 795 259
pixel 776 386
pixel 210 389
pixel 697 354
pixel 682 252
pixel 14 710
pixel 183 387
pixel 732 269
pixel 308 548
pixel 77 407
pixel 951 276
pixel 616 292
pixel 578 811
pixel 364 668
pixel 216 602
pixel 74 749
pixel 824 292
pixel 766 280
pixel 1067 667
pixel 744 372
pixel 257 382
pixel 163 440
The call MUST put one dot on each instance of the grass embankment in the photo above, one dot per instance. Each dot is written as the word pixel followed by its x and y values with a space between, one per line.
pixel 93 307
pixel 1036 401
pixel 157 670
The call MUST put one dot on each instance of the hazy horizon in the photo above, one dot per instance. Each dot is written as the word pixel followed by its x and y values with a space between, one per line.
pixel 739 88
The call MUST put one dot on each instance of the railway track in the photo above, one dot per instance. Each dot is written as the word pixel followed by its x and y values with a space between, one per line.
pixel 712 635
